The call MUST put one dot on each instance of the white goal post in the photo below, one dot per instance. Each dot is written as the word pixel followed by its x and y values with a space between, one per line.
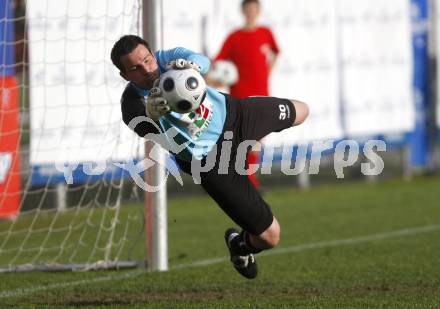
pixel 155 202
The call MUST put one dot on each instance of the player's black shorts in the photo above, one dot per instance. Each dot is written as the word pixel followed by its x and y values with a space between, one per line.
pixel 248 119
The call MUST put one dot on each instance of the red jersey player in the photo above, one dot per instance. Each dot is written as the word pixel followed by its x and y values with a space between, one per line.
pixel 253 50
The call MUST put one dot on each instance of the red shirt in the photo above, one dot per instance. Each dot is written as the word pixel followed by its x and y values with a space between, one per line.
pixel 248 50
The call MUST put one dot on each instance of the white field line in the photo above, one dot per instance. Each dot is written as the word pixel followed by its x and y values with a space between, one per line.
pixel 292 249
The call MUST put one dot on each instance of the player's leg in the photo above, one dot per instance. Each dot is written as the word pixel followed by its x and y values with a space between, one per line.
pixel 259 117
pixel 264 115
pixel 239 199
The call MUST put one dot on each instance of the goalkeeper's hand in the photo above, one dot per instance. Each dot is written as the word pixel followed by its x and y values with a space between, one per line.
pixel 181 64
pixel 157 106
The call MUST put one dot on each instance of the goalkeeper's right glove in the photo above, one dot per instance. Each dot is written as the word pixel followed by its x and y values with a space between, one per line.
pixel 157 106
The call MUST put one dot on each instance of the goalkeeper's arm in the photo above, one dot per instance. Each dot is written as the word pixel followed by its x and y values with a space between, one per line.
pixel 133 106
pixel 167 56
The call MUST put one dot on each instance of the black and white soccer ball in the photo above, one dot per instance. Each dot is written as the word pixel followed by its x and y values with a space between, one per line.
pixel 184 90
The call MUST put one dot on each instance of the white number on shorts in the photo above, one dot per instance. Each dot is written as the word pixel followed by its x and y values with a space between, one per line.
pixel 282 111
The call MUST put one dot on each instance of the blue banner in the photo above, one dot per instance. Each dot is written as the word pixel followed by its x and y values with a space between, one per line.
pixel 421 147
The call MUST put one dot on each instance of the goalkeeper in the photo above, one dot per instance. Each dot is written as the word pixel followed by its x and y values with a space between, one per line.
pixel 229 121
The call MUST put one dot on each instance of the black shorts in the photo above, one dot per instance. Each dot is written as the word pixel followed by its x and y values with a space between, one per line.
pixel 248 119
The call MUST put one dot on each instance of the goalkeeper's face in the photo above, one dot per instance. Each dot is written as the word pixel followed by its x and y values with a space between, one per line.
pixel 140 67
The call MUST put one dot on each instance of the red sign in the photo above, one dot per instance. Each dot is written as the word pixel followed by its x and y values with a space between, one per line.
pixel 10 181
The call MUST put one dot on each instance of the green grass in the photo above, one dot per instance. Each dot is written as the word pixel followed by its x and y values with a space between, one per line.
pixel 316 268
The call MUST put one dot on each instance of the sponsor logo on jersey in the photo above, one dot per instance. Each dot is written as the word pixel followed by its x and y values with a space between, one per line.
pixel 200 118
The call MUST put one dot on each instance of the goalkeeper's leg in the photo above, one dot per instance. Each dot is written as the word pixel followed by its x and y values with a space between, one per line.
pixel 240 200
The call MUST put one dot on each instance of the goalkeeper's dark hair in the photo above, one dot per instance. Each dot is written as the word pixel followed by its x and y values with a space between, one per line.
pixel 124 46
pixel 245 2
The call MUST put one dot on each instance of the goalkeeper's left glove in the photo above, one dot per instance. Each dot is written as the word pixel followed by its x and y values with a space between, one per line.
pixel 181 64
pixel 157 106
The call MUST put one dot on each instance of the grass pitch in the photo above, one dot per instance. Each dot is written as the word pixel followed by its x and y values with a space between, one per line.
pixel 355 245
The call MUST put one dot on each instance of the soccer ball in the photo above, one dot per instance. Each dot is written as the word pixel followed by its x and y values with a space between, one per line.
pixel 224 71
pixel 184 90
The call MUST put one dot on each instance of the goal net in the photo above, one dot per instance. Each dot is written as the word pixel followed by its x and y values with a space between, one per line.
pixel 62 137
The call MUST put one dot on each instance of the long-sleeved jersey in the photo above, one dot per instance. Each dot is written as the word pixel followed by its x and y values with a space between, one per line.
pixel 196 132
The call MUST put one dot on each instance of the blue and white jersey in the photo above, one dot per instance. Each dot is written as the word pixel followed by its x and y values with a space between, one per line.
pixel 199 129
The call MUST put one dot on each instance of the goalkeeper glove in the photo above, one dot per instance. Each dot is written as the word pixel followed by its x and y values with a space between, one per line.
pixel 157 106
pixel 181 64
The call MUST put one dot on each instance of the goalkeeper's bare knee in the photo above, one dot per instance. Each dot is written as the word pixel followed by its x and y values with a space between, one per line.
pixel 269 238
pixel 302 112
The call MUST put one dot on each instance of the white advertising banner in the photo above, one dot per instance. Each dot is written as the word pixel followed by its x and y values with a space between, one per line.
pixel 350 61
pixel 376 66
pixel 74 88
pixel 307 67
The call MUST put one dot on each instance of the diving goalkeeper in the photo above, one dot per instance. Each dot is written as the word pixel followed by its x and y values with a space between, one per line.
pixel 232 121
